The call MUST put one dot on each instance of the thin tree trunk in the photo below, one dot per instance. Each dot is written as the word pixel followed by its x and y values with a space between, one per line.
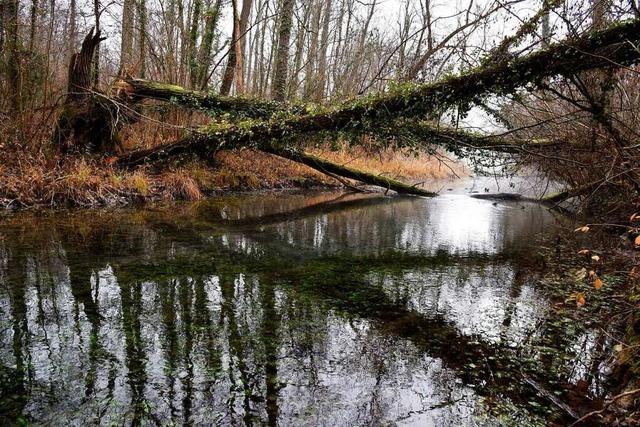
pixel 171 58
pixel 212 17
pixel 95 69
pixel 242 36
pixel 227 78
pixel 126 42
pixel 142 37
pixel 270 62
pixel 13 56
pixel 324 47
pixel 33 23
pixel 71 42
pixel 600 13
pixel 282 55
pixel 193 40
pixel 263 37
pixel 2 26
pixel 257 58
pixel 297 61
pixel 312 57
pixel 52 21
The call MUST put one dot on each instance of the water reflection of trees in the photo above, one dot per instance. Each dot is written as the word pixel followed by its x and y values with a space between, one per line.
pixel 348 309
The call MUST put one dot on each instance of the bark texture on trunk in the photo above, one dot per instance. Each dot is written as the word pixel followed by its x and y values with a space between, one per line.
pixel 87 123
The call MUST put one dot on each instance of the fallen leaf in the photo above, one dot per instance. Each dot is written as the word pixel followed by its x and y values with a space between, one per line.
pixel 598 283
pixel 634 273
pixel 582 229
pixel 618 348
pixel 637 240
pixel 584 252
pixel 634 216
pixel 595 258
pixel 580 299
pixel 592 274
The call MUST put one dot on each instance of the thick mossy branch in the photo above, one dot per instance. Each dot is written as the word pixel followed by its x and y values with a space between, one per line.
pixel 332 168
pixel 612 47
pixel 213 103
pixel 402 131
pixel 407 133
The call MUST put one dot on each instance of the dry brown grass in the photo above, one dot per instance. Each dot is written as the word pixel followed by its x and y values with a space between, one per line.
pixel 32 174
pixel 43 179
pixel 396 164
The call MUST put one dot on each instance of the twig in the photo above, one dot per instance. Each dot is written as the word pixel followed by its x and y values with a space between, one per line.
pixel 606 405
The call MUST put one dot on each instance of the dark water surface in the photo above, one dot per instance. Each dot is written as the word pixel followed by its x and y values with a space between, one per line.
pixel 307 309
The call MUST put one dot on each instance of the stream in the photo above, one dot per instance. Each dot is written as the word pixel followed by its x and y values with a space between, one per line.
pixel 308 308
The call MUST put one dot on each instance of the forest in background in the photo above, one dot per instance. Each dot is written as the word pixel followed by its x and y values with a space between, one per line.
pixel 320 52
pixel 313 54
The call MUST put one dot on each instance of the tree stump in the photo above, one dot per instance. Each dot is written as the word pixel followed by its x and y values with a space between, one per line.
pixel 90 120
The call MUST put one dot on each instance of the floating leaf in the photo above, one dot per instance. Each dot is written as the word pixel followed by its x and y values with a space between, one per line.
pixel 582 229
pixel 598 283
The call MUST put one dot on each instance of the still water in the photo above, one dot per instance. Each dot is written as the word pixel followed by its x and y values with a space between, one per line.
pixel 287 309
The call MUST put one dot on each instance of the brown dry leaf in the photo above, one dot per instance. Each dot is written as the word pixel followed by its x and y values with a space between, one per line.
pixel 580 299
pixel 634 273
pixel 637 240
pixel 582 229
pixel 598 283
pixel 583 252
pixel 592 274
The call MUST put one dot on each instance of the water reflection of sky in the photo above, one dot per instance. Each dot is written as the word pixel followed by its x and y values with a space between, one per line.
pixel 239 314
pixel 482 301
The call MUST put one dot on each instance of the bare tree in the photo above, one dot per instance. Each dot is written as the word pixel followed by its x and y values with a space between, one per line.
pixel 13 55
pixel 282 55
pixel 212 16
pixel 236 53
pixel 126 42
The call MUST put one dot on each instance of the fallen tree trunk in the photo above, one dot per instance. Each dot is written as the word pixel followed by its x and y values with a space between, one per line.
pixel 418 134
pixel 420 131
pixel 552 199
pixel 612 47
pixel 213 103
pixel 329 167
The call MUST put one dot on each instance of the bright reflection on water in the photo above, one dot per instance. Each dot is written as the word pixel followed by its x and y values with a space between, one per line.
pixel 314 309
